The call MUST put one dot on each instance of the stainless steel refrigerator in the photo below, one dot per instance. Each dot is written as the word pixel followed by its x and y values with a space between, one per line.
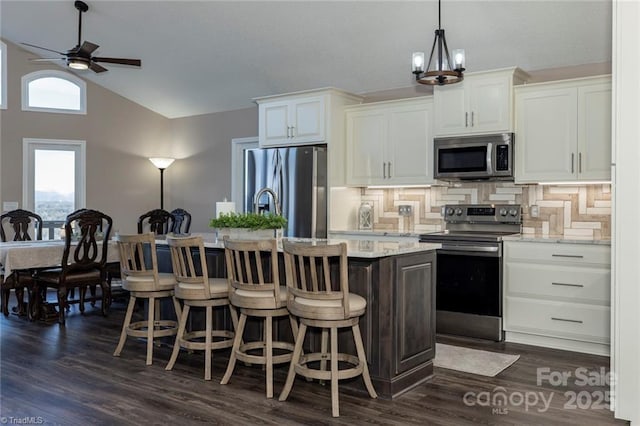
pixel 298 176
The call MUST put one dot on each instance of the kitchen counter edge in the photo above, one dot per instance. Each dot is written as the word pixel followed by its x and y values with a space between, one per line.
pixel 371 248
pixel 533 238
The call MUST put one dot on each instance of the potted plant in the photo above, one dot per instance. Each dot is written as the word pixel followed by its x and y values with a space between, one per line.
pixel 249 225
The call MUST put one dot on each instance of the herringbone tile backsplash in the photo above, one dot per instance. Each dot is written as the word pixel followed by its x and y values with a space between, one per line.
pixel 569 210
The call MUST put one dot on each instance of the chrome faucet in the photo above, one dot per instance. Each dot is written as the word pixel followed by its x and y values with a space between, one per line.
pixel 256 199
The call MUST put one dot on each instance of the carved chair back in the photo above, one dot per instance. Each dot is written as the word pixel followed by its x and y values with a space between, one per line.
pixel 21 222
pixel 89 231
pixel 156 221
pixel 180 222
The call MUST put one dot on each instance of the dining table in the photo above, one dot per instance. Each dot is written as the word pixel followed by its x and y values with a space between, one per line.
pixel 33 255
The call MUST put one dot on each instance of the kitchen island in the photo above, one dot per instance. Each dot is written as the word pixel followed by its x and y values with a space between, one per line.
pixel 397 279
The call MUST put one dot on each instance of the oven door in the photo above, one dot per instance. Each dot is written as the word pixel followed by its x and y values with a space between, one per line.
pixel 469 290
pixel 469 281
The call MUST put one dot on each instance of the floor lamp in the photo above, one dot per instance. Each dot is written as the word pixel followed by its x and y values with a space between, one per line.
pixel 161 163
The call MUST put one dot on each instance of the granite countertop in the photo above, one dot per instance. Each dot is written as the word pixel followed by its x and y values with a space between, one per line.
pixel 355 248
pixel 373 233
pixel 572 239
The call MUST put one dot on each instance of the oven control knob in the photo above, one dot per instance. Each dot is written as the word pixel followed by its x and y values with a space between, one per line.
pixel 513 212
pixel 449 212
pixel 458 212
pixel 503 212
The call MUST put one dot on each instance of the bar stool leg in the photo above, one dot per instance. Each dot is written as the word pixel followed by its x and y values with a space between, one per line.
pixel 150 327
pixel 268 324
pixel 236 346
pixel 323 349
pixel 125 326
pixel 207 344
pixel 363 360
pixel 297 350
pixel 176 345
pixel 335 409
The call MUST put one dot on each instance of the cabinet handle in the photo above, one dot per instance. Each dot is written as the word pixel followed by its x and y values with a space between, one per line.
pixel 384 170
pixel 573 256
pixel 567 320
pixel 472 118
pixel 572 162
pixel 292 132
pixel 568 285
pixel 466 119
pixel 288 132
pixel 389 169
pixel 579 162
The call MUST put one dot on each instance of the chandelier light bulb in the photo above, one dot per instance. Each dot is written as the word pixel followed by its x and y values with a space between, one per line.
pixel 418 62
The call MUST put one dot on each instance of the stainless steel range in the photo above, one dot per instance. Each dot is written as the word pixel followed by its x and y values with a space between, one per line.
pixel 469 274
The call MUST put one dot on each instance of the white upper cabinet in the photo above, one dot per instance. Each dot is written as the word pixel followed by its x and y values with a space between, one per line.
pixel 292 122
pixel 481 104
pixel 307 118
pixel 390 143
pixel 563 131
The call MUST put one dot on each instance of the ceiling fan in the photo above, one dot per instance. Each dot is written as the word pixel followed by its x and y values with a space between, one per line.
pixel 79 57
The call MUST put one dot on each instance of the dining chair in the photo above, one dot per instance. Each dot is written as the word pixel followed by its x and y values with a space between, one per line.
pixel 323 301
pixel 157 221
pixel 83 262
pixel 140 277
pixel 254 289
pixel 18 225
pixel 196 289
pixel 180 222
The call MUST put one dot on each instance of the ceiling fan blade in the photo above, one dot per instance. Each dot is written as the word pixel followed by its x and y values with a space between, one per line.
pixel 44 48
pixel 45 59
pixel 121 61
pixel 87 48
pixel 97 68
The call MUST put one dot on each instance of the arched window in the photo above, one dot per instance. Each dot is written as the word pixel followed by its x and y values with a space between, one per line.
pixel 3 75
pixel 54 91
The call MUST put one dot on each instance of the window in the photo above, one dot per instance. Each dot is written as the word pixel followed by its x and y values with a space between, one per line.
pixel 54 91
pixel 54 180
pixel 3 75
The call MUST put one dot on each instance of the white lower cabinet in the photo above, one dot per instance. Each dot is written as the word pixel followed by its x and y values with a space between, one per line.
pixel 558 295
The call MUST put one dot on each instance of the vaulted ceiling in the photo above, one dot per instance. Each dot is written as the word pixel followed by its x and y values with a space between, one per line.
pixel 207 56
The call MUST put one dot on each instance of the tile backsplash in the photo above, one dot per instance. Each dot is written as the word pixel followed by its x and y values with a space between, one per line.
pixel 569 210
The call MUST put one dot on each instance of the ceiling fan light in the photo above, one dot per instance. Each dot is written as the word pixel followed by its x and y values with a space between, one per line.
pixel 78 63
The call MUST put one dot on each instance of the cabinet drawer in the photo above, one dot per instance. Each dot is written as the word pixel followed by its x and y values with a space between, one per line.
pixel 571 283
pixel 558 319
pixel 558 252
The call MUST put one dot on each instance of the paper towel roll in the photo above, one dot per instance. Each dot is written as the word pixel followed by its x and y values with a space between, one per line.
pixel 225 207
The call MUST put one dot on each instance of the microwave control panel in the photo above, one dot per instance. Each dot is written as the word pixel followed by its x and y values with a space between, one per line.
pixel 502 157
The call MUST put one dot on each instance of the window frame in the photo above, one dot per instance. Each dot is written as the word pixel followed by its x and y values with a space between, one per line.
pixel 3 75
pixel 36 75
pixel 30 145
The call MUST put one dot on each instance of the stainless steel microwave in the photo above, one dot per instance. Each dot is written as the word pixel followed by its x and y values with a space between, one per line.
pixel 474 157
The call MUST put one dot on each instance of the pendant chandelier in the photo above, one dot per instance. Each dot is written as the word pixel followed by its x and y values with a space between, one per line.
pixel 443 71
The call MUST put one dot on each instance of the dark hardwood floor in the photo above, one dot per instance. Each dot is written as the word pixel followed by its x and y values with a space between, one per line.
pixel 68 376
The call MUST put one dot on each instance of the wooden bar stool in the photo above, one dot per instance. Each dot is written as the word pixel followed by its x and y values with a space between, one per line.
pixel 140 276
pixel 320 301
pixel 196 289
pixel 254 281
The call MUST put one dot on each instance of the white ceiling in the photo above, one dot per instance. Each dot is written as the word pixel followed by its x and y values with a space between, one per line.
pixel 200 57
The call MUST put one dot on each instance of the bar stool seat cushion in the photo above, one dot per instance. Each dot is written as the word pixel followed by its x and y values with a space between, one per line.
pixel 165 282
pixel 357 305
pixel 219 287
pixel 257 294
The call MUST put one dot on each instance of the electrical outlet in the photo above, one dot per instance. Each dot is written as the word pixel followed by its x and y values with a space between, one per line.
pixel 535 211
pixel 404 210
